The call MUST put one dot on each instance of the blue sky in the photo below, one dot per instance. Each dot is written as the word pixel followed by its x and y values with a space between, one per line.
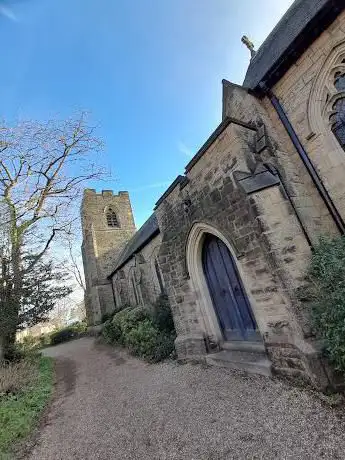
pixel 149 72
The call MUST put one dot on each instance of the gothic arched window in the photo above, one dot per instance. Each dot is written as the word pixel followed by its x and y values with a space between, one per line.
pixel 136 290
pixel 111 218
pixel 337 117
pixel 159 277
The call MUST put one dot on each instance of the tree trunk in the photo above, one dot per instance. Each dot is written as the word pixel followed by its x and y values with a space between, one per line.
pixel 12 302
pixel 2 350
pixel 6 311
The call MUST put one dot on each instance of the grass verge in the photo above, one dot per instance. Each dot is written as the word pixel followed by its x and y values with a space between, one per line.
pixel 20 412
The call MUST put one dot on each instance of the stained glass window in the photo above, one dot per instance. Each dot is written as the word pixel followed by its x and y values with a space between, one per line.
pixel 338 117
pixel 339 81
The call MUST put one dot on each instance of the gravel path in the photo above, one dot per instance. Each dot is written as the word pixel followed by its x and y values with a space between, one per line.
pixel 111 406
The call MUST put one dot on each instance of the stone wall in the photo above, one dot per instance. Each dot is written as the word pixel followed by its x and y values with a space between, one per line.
pixel 266 239
pixel 303 92
pixel 248 186
pixel 102 245
pixel 238 103
pixel 137 282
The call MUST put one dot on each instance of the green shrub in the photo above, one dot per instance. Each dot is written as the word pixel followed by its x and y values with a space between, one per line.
pixel 115 329
pixel 130 317
pixel 146 341
pixel 17 351
pixel 122 307
pixel 137 329
pixel 161 314
pixel 106 317
pixel 67 333
pixel 111 332
pixel 141 339
pixel 79 326
pixel 63 335
pixel 326 292
pixel 28 346
pixel 164 348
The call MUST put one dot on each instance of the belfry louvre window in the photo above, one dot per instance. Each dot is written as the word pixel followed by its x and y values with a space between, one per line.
pixel 112 218
pixel 338 113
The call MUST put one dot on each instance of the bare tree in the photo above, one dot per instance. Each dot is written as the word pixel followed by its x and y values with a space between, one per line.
pixel 74 265
pixel 43 167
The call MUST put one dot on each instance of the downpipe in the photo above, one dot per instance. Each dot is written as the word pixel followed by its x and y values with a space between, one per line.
pixel 305 158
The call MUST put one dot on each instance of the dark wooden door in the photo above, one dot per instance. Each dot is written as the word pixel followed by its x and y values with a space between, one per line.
pixel 229 300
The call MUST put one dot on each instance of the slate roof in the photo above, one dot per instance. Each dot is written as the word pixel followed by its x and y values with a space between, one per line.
pixel 145 233
pixel 282 38
pixel 301 24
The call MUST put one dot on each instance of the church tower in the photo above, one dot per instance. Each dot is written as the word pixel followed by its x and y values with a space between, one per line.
pixel 107 225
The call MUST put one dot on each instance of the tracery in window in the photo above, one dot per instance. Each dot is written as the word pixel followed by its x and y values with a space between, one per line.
pixel 339 81
pixel 337 117
pixel 338 121
pixel 111 218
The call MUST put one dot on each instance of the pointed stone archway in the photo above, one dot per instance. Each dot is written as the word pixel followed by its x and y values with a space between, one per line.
pixel 223 317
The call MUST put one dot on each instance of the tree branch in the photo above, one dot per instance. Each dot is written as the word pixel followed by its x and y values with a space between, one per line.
pixel 39 256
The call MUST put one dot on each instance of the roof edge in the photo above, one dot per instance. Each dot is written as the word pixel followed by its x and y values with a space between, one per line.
pixel 216 133
pixel 183 180
pixel 226 82
pixel 171 187
pixel 312 30
pixel 308 35
pixel 150 237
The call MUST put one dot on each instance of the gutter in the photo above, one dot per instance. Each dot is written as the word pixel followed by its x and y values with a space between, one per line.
pixel 305 158
pixel 132 254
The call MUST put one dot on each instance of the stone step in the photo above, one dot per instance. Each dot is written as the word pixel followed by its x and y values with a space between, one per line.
pixel 242 345
pixel 253 363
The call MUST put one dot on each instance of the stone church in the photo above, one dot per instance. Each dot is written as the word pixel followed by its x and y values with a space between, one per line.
pixel 230 239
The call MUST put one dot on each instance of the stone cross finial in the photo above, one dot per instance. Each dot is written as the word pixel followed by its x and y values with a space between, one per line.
pixel 250 45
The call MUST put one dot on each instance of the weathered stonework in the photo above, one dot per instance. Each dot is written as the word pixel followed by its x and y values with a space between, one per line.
pixel 304 104
pixel 102 245
pixel 248 187
pixel 140 271
pixel 237 102
pixel 264 235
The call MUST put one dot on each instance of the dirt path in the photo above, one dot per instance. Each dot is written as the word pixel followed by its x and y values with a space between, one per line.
pixel 111 406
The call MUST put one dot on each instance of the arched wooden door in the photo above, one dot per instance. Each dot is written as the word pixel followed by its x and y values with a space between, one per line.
pixel 230 302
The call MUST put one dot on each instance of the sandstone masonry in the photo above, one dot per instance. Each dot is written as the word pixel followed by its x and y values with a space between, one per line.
pixel 249 188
